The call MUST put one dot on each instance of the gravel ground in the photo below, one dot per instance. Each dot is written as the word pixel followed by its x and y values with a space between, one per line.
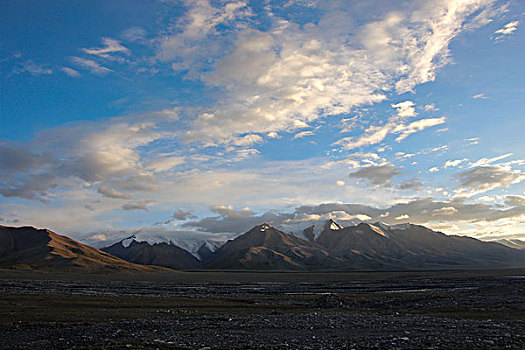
pixel 473 313
pixel 314 330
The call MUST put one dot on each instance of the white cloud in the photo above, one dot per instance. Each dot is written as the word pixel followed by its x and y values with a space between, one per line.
pixel 111 46
pixel 373 135
pixel 437 23
pixel 489 161
pixel 90 65
pixel 430 107
pixel 405 109
pixel 419 125
pixel 247 140
pixel 454 163
pixel 433 170
pixel 188 47
pixel 402 217
pixel 444 211
pixel 166 163
pixel 71 72
pixel 479 96
pixel 507 30
pixel 340 183
pixel 303 134
pixel 473 140
pixel 272 80
pixel 376 134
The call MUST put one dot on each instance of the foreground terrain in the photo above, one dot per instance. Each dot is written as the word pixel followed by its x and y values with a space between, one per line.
pixel 433 310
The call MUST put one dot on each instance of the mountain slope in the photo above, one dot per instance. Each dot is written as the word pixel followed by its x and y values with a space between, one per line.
pixel 160 254
pixel 264 247
pixel 416 247
pixel 512 243
pixel 46 250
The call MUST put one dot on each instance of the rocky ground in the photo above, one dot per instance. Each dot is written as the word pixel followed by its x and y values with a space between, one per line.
pixel 407 313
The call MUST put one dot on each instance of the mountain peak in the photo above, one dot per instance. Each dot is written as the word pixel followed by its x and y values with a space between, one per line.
pixel 127 241
pixel 330 224
pixel 264 227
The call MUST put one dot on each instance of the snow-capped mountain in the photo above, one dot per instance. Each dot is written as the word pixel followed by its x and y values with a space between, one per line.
pixel 188 243
pixel 265 247
pixel 313 231
pixel 160 254
pixel 196 243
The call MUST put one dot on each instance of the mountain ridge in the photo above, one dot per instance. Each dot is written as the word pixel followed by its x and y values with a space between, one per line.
pixel 365 247
pixel 265 247
pixel 159 254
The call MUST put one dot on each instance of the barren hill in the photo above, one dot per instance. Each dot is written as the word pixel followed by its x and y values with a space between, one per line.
pixel 43 249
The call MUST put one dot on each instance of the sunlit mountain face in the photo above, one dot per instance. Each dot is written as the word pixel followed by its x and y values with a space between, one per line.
pixel 201 119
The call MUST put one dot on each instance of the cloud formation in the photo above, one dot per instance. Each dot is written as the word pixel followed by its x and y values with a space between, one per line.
pixel 90 65
pixel 487 178
pixel 508 29
pixel 420 211
pixel 377 175
pixel 138 205
pixel 264 76
pixel 183 215
pixel 111 46
pixel 291 75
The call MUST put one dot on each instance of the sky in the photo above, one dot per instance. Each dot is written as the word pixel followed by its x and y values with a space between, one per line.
pixel 209 117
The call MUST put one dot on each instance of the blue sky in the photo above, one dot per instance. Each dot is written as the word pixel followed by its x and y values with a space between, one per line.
pixel 211 116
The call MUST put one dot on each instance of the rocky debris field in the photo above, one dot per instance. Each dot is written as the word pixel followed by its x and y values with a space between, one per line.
pixel 419 313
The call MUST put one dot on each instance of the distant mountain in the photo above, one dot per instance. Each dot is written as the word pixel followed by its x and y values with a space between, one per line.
pixel 160 254
pixel 328 246
pixel 28 247
pixel 410 246
pixel 264 247
pixel 201 243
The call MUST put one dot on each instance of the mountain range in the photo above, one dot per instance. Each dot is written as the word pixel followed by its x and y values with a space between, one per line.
pixel 327 247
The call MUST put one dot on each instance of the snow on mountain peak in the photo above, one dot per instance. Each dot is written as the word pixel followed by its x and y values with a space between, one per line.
pixel 332 225
pixel 379 231
pixel 127 241
pixel 185 240
pixel 264 227
pixel 404 226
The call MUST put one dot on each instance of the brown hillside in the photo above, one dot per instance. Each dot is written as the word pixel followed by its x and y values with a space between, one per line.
pixel 46 250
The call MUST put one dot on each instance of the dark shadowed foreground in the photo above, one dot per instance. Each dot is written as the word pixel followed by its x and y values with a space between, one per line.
pixel 429 310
